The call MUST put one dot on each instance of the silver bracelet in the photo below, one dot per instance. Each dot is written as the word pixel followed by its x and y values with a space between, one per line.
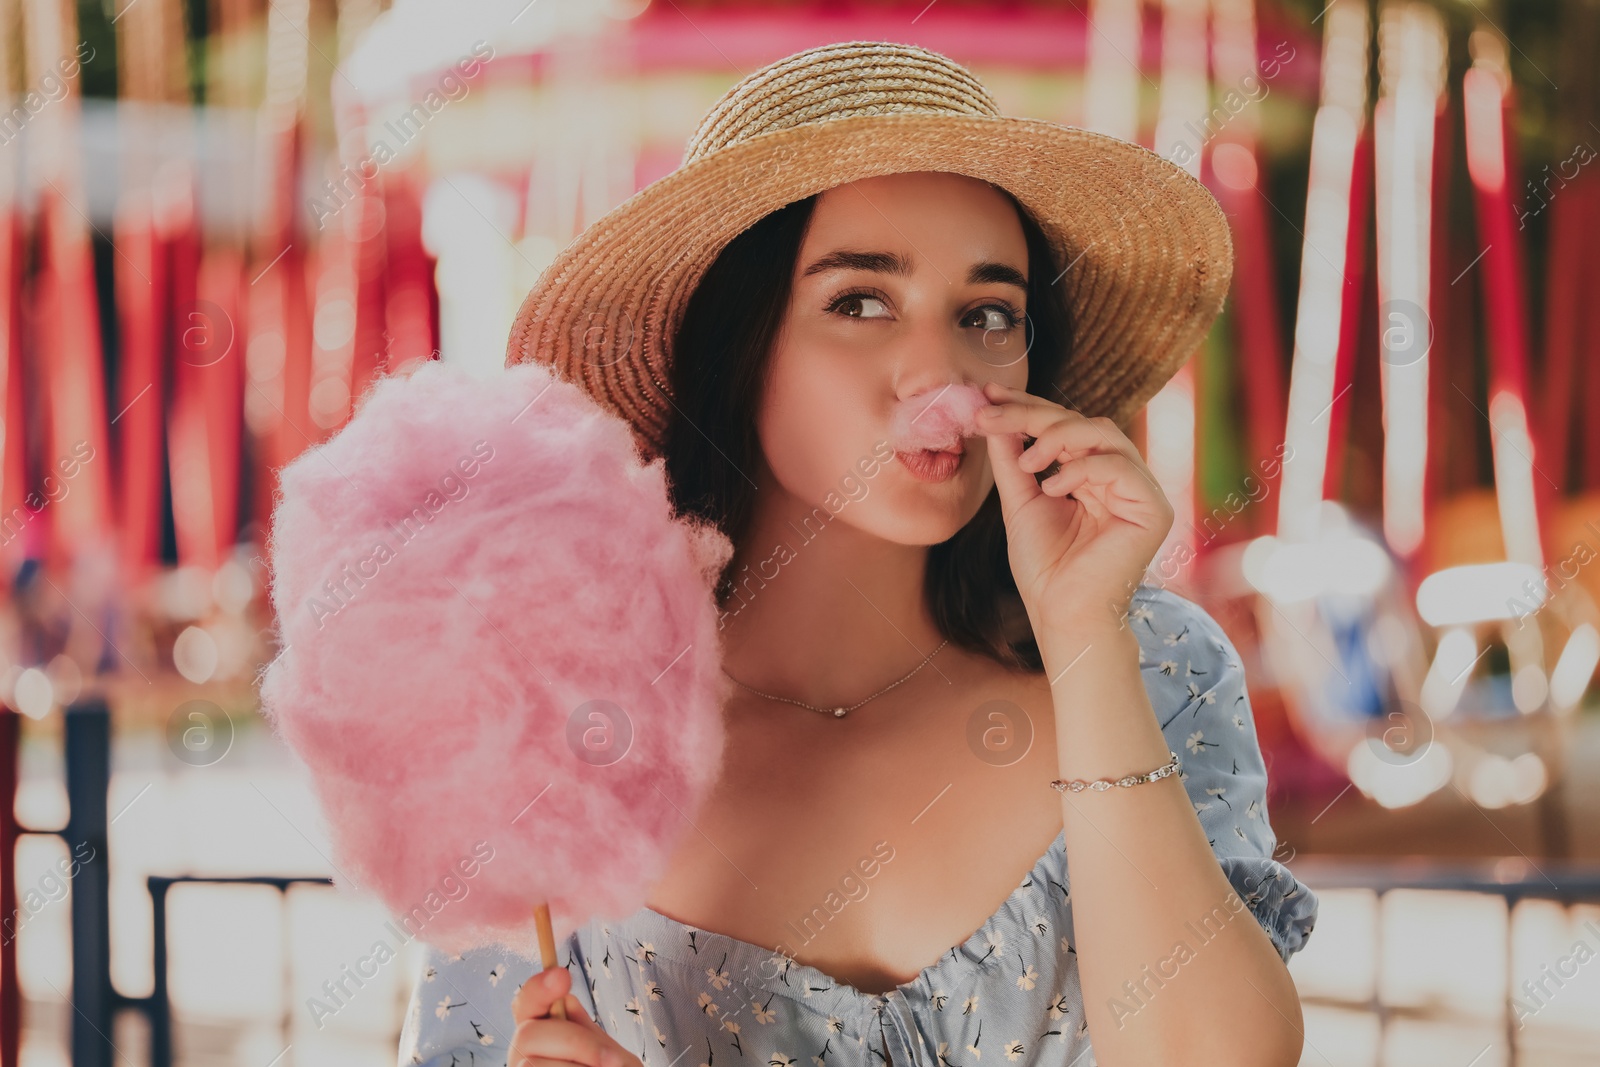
pixel 1078 785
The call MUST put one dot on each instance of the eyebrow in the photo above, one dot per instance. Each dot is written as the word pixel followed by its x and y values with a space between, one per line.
pixel 897 263
pixel 998 273
pixel 878 262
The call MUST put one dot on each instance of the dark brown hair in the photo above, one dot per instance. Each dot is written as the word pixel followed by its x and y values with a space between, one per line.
pixel 721 353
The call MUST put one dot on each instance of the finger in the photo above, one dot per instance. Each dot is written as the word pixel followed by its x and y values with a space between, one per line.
pixel 1117 475
pixel 611 1057
pixel 548 1061
pixel 556 1039
pixel 536 1061
pixel 1057 431
pixel 535 996
pixel 569 1009
pixel 1017 487
pixel 575 1013
pixel 545 1061
pixel 1074 436
pixel 1099 469
pixel 1035 416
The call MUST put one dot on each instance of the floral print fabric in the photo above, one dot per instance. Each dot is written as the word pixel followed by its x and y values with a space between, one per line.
pixel 678 996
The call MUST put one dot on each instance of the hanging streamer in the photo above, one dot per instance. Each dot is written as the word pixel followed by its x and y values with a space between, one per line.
pixel 1258 370
pixel 1523 497
pixel 66 310
pixel 1322 366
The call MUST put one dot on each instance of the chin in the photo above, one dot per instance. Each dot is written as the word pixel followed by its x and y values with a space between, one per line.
pixel 916 512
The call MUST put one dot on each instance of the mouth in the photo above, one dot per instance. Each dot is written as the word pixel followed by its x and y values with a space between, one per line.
pixel 933 465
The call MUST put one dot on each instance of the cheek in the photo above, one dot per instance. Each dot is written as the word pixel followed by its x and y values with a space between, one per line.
pixel 1000 358
pixel 984 474
pixel 815 422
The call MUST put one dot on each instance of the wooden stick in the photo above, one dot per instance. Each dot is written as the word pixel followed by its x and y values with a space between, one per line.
pixel 547 952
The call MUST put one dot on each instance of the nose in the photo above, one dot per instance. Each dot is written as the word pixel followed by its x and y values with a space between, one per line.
pixel 937 419
pixel 933 356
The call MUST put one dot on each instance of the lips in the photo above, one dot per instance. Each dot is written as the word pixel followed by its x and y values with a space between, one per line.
pixel 929 465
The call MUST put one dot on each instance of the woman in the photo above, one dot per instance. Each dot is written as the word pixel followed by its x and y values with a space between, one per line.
pixel 922 642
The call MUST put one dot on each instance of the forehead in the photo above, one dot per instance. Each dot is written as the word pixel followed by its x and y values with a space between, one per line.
pixel 924 214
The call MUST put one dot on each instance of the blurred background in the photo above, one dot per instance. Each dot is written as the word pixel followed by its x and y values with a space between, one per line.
pixel 221 219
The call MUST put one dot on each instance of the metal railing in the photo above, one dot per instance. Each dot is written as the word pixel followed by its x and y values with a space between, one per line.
pixel 1513 880
pixel 157 1007
pixel 94 998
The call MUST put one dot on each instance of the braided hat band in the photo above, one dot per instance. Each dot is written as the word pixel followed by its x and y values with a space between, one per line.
pixel 1144 250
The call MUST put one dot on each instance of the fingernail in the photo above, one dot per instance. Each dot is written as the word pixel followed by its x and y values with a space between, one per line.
pixel 609 1058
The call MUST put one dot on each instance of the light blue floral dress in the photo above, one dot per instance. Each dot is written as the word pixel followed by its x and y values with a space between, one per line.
pixel 678 996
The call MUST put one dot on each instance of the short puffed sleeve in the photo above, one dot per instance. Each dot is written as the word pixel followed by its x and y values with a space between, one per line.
pixel 1197 687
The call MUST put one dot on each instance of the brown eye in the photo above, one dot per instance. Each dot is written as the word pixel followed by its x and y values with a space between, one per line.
pixel 860 306
pixel 993 317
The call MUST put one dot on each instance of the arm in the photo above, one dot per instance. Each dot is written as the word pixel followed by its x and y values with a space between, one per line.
pixel 1144 870
pixel 1169 974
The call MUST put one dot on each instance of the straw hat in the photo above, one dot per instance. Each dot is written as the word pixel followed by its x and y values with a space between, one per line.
pixel 1144 250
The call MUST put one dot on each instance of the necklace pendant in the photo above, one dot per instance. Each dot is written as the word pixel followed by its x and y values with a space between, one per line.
pixel 838 713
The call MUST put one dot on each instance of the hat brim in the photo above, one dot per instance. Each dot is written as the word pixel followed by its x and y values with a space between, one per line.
pixel 1144 248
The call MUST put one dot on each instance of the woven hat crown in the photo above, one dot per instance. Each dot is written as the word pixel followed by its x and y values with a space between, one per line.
pixel 840 81
pixel 1144 250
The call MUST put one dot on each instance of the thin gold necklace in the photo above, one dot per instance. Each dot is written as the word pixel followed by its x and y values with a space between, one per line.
pixel 840 713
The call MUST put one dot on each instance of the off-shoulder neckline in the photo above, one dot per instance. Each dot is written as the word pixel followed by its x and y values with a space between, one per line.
pixel 810 987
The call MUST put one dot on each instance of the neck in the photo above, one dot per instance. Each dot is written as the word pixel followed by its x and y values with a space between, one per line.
pixel 822 612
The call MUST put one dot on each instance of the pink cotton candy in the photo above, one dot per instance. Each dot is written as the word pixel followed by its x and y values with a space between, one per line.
pixel 936 418
pixel 454 573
